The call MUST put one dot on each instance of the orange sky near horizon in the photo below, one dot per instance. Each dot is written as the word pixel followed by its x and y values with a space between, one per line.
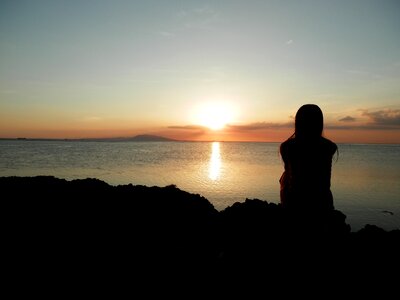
pixel 197 133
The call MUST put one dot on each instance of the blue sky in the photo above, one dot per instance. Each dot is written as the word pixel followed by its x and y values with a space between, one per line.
pixel 119 67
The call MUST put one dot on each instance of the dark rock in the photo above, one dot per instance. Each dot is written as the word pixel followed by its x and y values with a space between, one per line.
pixel 89 228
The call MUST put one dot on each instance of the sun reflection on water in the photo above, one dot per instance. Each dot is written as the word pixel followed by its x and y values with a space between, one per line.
pixel 215 162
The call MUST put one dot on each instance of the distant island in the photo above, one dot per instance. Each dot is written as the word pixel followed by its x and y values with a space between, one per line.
pixel 137 138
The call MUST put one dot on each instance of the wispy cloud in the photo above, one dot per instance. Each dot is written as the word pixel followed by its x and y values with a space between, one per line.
pixel 250 127
pixel 167 34
pixel 360 127
pixel 188 131
pixel 347 119
pixel 189 127
pixel 289 42
pixel 386 117
pixel 199 18
pixel 204 17
pixel 259 126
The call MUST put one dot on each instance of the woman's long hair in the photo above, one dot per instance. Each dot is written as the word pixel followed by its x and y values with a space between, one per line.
pixel 309 122
pixel 309 125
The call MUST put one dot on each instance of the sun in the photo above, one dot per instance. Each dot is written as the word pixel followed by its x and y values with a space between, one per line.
pixel 214 115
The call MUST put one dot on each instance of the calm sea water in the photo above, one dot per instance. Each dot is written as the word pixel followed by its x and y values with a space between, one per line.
pixel 365 178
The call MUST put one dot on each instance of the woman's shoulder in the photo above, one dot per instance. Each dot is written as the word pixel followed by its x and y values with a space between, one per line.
pixel 328 144
pixel 327 141
pixel 287 144
pixel 292 144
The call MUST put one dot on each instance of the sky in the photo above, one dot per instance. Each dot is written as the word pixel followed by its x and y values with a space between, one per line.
pixel 199 70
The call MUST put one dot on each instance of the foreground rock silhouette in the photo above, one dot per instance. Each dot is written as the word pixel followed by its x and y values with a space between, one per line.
pixel 91 229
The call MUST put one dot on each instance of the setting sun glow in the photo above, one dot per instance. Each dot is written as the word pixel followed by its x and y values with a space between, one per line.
pixel 214 116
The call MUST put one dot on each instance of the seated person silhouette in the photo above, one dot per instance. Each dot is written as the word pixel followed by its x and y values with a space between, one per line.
pixel 307 156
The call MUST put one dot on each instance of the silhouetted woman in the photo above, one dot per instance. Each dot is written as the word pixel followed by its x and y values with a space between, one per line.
pixel 306 181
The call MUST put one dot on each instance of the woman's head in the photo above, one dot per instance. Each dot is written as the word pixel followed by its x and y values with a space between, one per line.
pixel 309 122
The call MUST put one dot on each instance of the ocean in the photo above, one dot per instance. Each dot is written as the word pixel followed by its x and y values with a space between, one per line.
pixel 365 178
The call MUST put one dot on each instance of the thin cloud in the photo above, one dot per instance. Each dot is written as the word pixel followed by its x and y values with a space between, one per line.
pixel 386 117
pixel 188 127
pixel 204 17
pixel 199 18
pixel 360 127
pixel 289 42
pixel 347 119
pixel 188 131
pixel 341 127
pixel 251 127
pixel 259 126
pixel 167 34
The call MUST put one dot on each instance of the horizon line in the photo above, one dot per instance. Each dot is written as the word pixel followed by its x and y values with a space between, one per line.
pixel 109 139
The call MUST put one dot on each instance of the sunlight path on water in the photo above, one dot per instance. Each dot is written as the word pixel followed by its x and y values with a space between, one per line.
pixel 215 162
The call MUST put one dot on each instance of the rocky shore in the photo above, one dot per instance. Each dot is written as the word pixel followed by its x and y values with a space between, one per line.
pixel 89 228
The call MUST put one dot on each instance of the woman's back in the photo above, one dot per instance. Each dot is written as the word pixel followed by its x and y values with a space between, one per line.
pixel 306 180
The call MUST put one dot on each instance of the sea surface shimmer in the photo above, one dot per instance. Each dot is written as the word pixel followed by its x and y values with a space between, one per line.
pixel 364 177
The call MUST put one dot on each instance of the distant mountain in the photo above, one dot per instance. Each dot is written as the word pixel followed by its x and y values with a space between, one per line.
pixel 138 138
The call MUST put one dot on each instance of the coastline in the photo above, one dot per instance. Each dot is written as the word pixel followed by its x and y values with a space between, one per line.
pixel 81 233
pixel 170 215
